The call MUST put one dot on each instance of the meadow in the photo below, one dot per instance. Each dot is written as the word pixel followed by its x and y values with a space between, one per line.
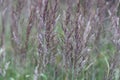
pixel 59 40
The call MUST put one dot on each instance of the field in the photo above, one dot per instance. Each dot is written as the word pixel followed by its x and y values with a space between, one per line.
pixel 59 40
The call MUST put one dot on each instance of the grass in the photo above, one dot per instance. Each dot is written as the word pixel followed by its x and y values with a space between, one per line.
pixel 52 40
